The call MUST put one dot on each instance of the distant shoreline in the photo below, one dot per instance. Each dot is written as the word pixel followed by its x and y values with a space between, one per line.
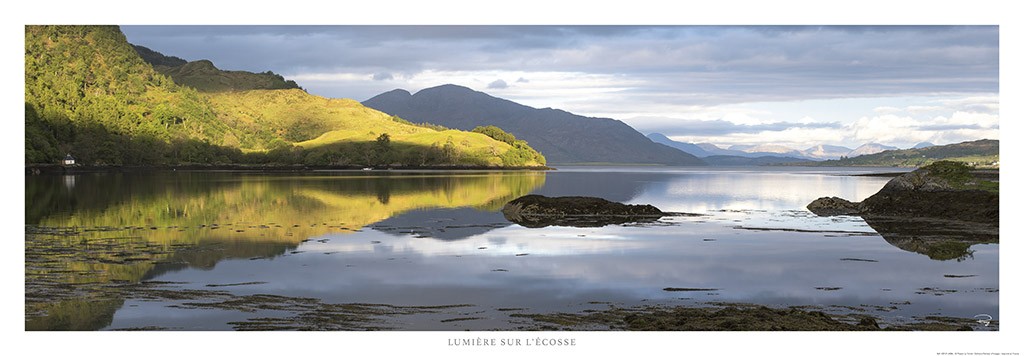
pixel 978 173
pixel 58 169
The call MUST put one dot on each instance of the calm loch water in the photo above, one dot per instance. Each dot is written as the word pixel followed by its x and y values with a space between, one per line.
pixel 431 250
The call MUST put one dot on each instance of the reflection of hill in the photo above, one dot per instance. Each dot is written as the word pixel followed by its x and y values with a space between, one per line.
pixel 444 224
pixel 618 186
pixel 114 228
pixel 939 240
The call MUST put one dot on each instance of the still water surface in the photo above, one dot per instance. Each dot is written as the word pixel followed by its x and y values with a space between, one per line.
pixel 436 238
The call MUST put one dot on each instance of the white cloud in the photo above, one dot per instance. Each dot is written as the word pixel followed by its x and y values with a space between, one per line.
pixel 887 110
pixel 918 109
pixel 882 124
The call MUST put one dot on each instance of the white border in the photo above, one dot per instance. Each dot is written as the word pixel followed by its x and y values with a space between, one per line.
pixel 975 12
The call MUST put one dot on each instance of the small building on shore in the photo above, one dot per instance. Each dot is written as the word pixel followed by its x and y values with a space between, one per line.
pixel 68 160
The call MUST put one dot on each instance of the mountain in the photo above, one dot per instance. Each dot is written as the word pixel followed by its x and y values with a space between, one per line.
pixel 156 58
pixel 827 152
pixel 89 93
pixel 711 149
pixel 564 138
pixel 682 146
pixel 975 153
pixel 870 148
pixel 923 145
pixel 205 77
pixel 767 149
pixel 731 157
pixel 752 161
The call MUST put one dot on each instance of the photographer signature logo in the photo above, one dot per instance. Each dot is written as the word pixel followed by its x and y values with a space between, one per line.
pixel 983 319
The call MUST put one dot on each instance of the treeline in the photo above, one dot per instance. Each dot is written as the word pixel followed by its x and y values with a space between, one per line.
pixel 425 125
pixel 94 144
pixel 519 154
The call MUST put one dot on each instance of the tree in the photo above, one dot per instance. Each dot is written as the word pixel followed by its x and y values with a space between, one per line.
pixel 383 148
pixel 450 153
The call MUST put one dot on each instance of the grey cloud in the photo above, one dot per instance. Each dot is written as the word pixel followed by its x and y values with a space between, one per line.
pixel 981 108
pixel 522 80
pixel 712 64
pixel 497 84
pixel 383 76
pixel 955 127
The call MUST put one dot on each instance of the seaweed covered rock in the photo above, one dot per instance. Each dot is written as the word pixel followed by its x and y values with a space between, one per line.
pixel 540 211
pixel 944 190
pixel 829 206
pixel 941 190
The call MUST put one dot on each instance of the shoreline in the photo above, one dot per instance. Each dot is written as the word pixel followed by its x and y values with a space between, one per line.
pixel 983 173
pixel 37 169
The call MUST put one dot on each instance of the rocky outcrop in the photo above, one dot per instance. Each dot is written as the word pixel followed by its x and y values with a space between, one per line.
pixel 830 206
pixel 944 190
pixel 541 211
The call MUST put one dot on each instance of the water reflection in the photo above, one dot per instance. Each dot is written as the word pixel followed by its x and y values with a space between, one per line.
pixel 939 240
pixel 432 238
pixel 124 228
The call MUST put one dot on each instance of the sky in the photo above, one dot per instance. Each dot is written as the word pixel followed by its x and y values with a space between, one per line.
pixel 796 86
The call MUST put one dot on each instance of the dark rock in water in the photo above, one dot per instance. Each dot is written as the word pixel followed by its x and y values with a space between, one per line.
pixel 977 206
pixel 830 206
pixel 944 190
pixel 940 211
pixel 868 322
pixel 541 211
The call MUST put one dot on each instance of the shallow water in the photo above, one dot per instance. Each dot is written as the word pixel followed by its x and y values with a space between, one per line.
pixel 435 238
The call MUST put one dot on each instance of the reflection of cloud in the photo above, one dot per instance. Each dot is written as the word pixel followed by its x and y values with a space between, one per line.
pixel 556 241
pixel 623 263
pixel 764 191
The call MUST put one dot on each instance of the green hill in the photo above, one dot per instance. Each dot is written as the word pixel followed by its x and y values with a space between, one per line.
pixel 205 77
pixel 344 132
pixel 89 93
pixel 981 153
pixel 156 58
pixel 86 91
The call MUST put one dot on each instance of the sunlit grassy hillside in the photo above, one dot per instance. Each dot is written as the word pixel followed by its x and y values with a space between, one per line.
pixel 88 93
pixel 343 131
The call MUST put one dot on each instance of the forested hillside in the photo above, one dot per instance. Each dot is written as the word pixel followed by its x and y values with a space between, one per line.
pixel 89 93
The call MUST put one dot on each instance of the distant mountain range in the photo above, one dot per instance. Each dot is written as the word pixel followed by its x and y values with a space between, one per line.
pixel 563 137
pixel 752 161
pixel 815 153
pixel 975 153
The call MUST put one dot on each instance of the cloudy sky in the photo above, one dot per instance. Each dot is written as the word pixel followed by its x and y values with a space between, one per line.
pixel 797 86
